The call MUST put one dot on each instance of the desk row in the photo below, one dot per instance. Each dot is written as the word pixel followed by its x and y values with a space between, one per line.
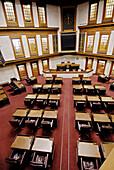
pixel 91 156
pixel 34 119
pixel 54 80
pixel 42 100
pixel 3 97
pixel 95 103
pixel 89 89
pixel 34 151
pixel 83 80
pixel 102 123
pixel 17 86
pixel 47 88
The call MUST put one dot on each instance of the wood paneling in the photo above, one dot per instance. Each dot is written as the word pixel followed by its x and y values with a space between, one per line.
pixel 27 31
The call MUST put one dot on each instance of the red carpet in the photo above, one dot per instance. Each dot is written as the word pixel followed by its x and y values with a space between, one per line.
pixel 65 135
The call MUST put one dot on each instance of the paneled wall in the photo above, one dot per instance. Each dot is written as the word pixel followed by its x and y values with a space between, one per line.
pixel 53 20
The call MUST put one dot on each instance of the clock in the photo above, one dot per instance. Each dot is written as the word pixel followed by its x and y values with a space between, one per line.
pixel 68 18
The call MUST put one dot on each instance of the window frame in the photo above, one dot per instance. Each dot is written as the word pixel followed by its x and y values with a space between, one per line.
pixel 87 58
pixel 17 56
pixel 46 36
pixel 111 68
pixel 42 24
pixel 32 36
pixel 26 23
pixel 93 21
pixel 53 43
pixel 90 33
pixel 9 23
pixel 103 33
pixel 104 11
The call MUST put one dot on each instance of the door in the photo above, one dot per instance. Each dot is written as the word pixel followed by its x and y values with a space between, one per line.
pixel 101 66
pixel 22 71
pixel 35 69
pixel 45 64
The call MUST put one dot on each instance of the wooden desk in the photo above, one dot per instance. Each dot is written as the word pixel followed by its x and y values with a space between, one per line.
pixel 86 79
pixel 20 112
pixel 79 98
pixel 77 86
pixel 112 118
pixel 54 97
pixel 32 78
pixel 107 148
pixel 35 113
pixel 76 78
pixel 101 117
pixel 22 142
pixel 37 86
pixel 1 87
pixel 100 87
pixel 31 96
pixel 20 85
pixel 47 86
pixel 88 149
pixel 93 99
pixel 82 116
pixel 2 96
pixel 42 96
pixel 109 162
pixel 50 114
pixel 49 78
pixel 17 82
pixel 107 99
pixel 88 87
pixel 43 144
pixel 2 91
pixel 58 78
pixel 57 86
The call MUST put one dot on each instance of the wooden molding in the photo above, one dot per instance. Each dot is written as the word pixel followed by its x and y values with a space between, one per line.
pixel 97 27
pixel 26 31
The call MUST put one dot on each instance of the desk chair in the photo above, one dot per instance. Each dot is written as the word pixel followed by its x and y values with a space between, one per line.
pixel 28 102
pixel 77 91
pixel 109 106
pixel 29 82
pixel 47 125
pixel 16 122
pixel 55 91
pixel 95 106
pixel 89 164
pixel 39 160
pixel 90 92
pixel 41 103
pixel 32 122
pixel 104 128
pixel 46 90
pixel 16 157
pixel 80 105
pixel 53 104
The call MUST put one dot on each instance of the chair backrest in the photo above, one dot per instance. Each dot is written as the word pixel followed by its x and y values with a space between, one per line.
pixel 14 122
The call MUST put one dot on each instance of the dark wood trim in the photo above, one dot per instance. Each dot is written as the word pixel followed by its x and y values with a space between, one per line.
pixel 99 56
pixel 97 27
pixel 36 58
pixel 30 59
pixel 25 31
pixel 111 68
pixel 65 72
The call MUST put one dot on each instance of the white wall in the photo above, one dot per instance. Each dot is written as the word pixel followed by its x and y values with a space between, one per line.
pixel 100 11
pixel 107 68
pixel 35 14
pixel 25 46
pixel 19 13
pixel 2 16
pixel 6 48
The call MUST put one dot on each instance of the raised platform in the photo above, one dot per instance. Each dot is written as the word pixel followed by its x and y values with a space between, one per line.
pixel 68 74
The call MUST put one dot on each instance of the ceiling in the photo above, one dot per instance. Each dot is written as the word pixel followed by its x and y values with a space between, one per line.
pixel 58 2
